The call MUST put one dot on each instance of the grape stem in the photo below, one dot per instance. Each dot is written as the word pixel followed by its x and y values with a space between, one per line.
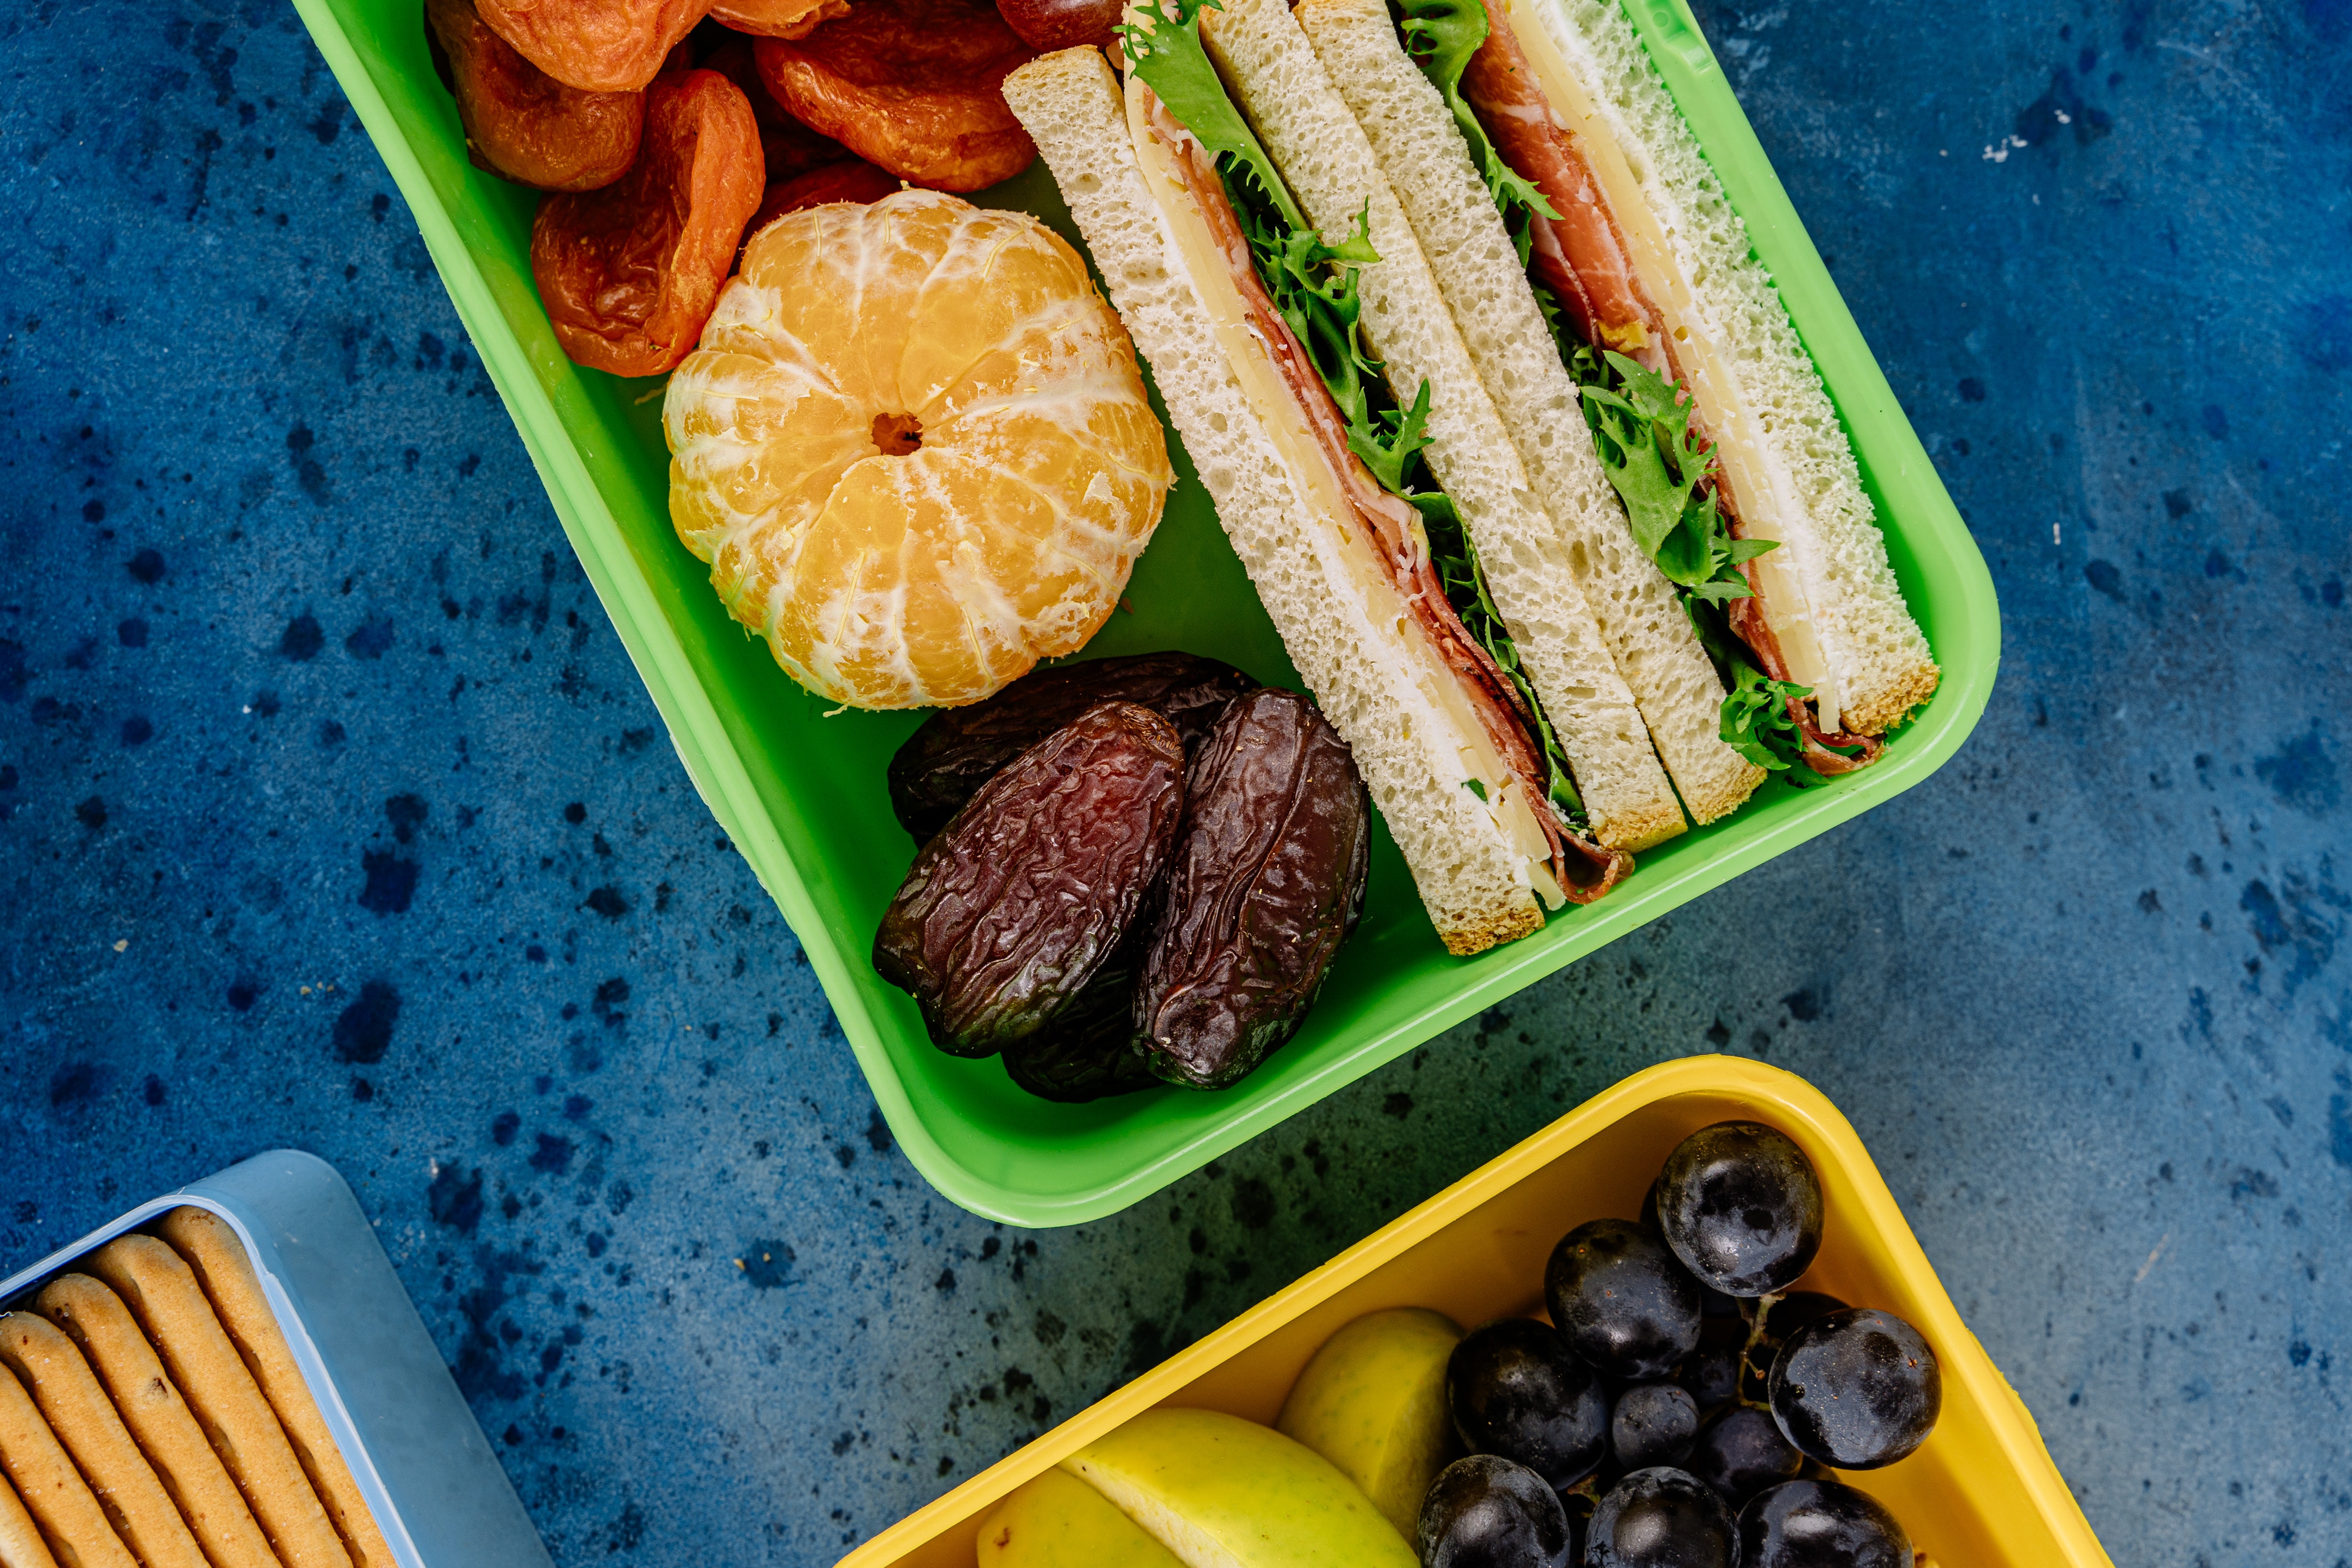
pixel 1763 1309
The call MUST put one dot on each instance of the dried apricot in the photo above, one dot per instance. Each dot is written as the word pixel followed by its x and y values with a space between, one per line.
pixel 1048 25
pixel 790 148
pixel 777 18
pixel 916 85
pixel 596 46
pixel 629 273
pixel 523 125
pixel 1088 1051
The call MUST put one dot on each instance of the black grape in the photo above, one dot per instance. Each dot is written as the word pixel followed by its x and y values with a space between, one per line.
pixel 1620 1300
pixel 1516 1389
pixel 1741 1452
pixel 1857 1389
pixel 1486 1513
pixel 1653 1424
pixel 1821 1525
pixel 1741 1206
pixel 1661 1519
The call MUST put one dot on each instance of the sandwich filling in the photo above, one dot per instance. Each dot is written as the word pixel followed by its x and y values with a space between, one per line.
pixel 1295 346
pixel 1679 444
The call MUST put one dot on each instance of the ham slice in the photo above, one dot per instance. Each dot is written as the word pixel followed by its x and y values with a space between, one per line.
pixel 1584 870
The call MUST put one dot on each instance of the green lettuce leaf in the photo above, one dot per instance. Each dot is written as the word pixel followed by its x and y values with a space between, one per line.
pixel 1441 36
pixel 1657 463
pixel 1754 719
pixel 1170 57
pixel 1456 559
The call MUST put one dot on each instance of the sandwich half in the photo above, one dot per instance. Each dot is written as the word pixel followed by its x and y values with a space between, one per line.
pixel 1591 258
pixel 1453 753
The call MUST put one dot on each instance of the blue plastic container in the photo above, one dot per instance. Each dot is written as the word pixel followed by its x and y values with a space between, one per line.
pixel 428 1474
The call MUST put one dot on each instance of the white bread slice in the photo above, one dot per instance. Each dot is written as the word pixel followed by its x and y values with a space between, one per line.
pixel 1474 885
pixel 1876 653
pixel 1329 166
pixel 1428 164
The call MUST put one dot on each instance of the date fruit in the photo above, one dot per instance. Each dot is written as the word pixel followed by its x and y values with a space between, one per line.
pixel 958 749
pixel 1014 907
pixel 1089 1051
pixel 1264 887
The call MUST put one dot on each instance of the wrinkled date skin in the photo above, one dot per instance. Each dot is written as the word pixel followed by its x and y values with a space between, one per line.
pixel 596 46
pixel 1048 25
pixel 1089 1051
pixel 914 86
pixel 959 749
pixel 523 125
pixel 1018 903
pixel 1266 885
pixel 788 147
pixel 629 274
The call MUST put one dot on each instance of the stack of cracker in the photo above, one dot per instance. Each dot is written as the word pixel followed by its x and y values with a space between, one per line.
pixel 152 1417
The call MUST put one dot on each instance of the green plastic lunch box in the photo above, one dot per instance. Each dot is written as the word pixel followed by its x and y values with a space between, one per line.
pixel 801 793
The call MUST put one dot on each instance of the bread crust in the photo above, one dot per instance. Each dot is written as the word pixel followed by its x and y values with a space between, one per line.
pixel 1875 652
pixel 1477 267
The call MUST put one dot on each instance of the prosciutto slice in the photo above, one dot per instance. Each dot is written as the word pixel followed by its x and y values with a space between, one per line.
pixel 1584 870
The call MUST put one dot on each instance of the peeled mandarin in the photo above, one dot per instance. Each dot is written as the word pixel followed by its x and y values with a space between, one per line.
pixel 915 448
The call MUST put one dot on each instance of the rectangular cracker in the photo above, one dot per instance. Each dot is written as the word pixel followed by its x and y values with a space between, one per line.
pixel 84 1420
pixel 21 1545
pixel 162 1293
pixel 218 1258
pixel 159 1420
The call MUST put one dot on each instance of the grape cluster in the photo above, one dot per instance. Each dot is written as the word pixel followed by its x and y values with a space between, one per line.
pixel 1684 1405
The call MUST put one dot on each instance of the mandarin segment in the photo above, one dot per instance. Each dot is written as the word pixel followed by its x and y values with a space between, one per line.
pixel 1024 471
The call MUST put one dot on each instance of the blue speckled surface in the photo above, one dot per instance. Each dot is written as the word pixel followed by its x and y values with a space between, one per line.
pixel 332 815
